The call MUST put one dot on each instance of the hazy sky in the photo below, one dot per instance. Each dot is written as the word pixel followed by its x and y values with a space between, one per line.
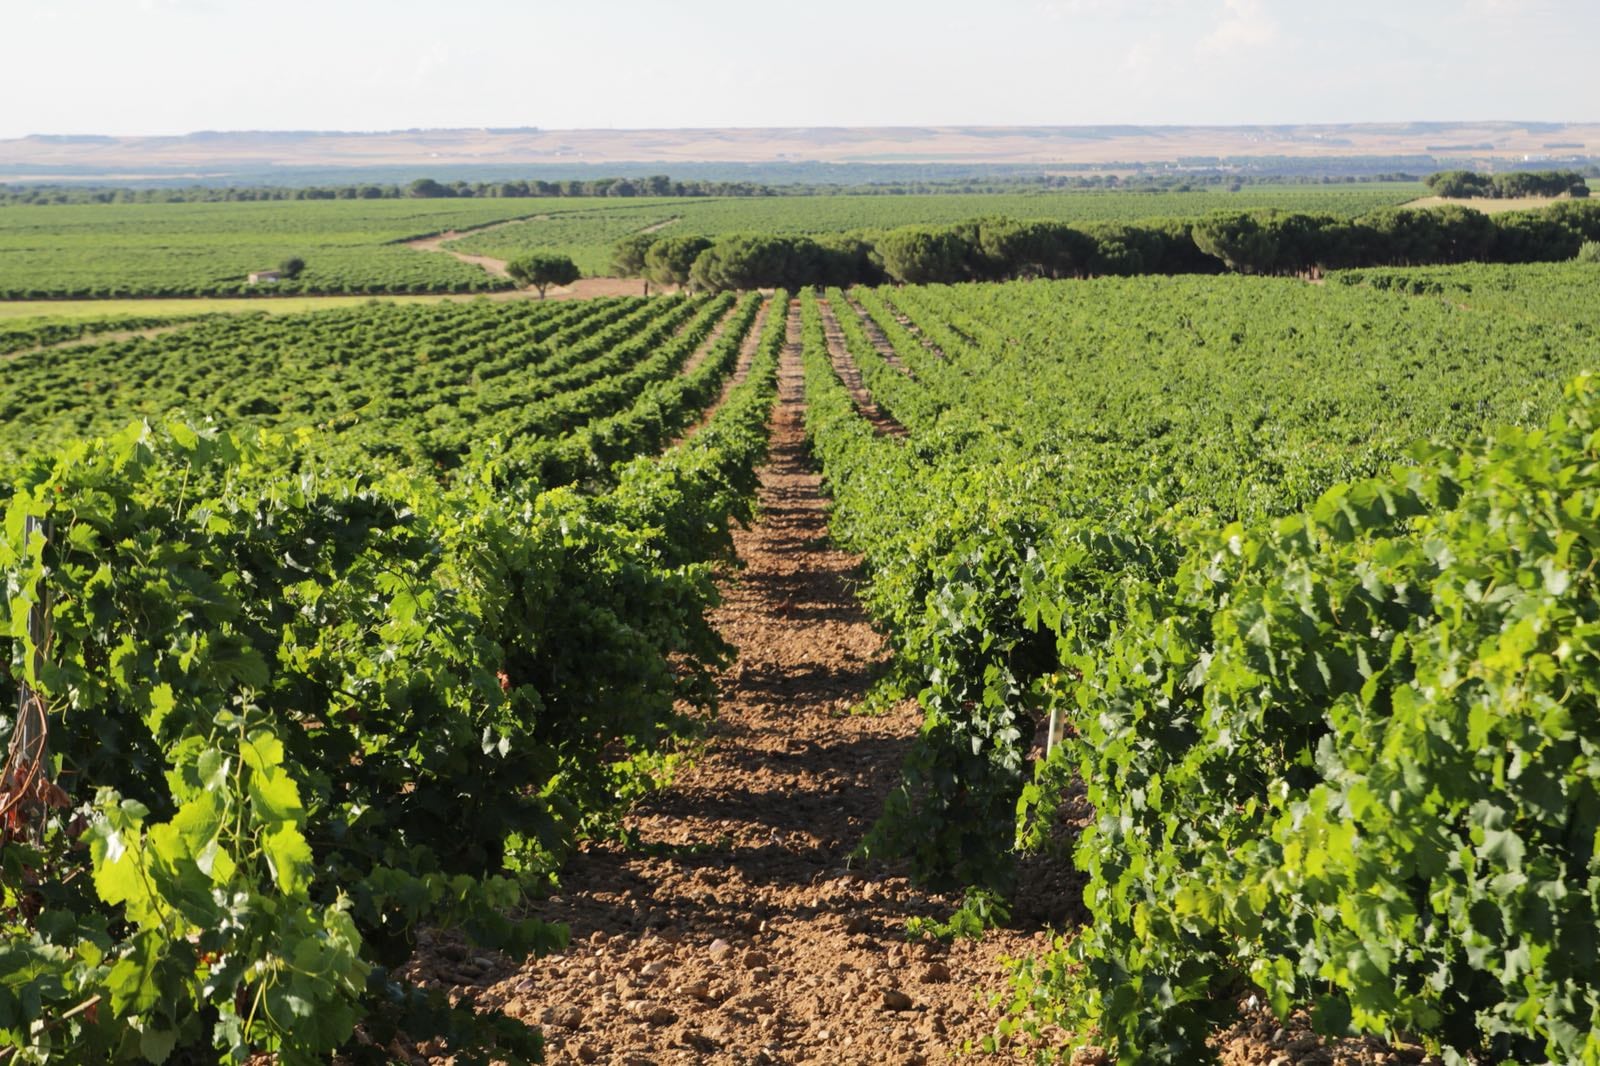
pixel 173 66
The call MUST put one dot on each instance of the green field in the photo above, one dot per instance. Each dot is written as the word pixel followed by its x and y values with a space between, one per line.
pixel 111 250
pixel 25 314
pixel 586 236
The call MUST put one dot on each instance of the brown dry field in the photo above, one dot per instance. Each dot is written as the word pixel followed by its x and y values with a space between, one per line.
pixel 1490 207
pixel 931 144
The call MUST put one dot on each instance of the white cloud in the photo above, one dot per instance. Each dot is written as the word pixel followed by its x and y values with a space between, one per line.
pixel 1246 25
pixel 432 61
pixel 1140 61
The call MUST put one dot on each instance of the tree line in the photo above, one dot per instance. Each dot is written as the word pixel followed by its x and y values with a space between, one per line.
pixel 1513 184
pixel 998 249
pixel 1185 179
pixel 421 188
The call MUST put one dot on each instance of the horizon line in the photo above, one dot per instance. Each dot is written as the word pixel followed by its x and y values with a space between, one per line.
pixel 499 129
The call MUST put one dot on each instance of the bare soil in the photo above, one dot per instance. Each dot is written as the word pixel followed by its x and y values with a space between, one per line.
pixel 585 288
pixel 582 289
pixel 703 350
pixel 1260 1039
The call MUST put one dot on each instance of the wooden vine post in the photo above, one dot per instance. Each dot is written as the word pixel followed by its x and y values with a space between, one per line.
pixel 28 791
pixel 30 732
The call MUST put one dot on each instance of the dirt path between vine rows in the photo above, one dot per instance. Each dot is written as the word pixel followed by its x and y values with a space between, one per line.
pixel 109 337
pixel 749 936
pixel 879 340
pixel 845 366
pixel 916 331
pixel 703 350
pixel 741 369
pixel 739 929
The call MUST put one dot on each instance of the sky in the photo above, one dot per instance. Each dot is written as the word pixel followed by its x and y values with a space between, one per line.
pixel 175 66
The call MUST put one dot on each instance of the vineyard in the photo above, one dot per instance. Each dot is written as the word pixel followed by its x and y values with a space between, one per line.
pixel 1263 609
pixel 357 689
pixel 1562 292
pixel 1326 761
pixel 568 387
pixel 356 246
pixel 120 250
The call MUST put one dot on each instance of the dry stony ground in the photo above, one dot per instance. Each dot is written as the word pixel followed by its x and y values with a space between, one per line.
pixel 739 930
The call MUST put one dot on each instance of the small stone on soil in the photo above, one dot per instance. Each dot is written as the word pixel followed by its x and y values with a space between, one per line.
pixel 893 999
pixel 653 1013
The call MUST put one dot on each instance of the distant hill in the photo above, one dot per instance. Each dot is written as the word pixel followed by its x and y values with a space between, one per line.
pixel 213 153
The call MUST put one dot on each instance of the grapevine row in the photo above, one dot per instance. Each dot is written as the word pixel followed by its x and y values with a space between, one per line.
pixel 1228 688
pixel 301 711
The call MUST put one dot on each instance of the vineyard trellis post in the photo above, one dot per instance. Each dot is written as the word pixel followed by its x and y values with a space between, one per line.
pixel 38 619
pixel 26 788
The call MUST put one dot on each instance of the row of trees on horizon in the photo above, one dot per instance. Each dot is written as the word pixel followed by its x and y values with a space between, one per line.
pixel 1454 184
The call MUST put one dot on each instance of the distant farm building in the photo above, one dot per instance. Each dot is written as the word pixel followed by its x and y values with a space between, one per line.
pixel 266 277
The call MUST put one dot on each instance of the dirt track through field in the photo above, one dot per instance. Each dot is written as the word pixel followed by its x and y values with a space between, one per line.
pixel 496 267
pixel 1486 205
pixel 657 227
pixel 741 932
pixel 583 288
